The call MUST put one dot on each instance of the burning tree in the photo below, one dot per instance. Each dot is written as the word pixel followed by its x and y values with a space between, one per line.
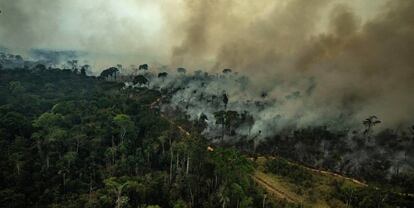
pixel 369 123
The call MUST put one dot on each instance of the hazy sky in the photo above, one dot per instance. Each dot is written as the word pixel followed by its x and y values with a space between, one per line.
pixel 358 52
pixel 137 29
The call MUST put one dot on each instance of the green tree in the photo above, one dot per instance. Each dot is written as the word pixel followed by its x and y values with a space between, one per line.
pixel 118 187
pixel 125 125
pixel 233 169
pixel 49 133
pixel 16 87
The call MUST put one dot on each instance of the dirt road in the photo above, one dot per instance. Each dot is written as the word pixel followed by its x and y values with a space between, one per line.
pixel 182 130
pixel 273 191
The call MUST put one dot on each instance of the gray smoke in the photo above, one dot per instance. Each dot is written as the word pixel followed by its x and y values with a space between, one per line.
pixel 359 66
pixel 319 61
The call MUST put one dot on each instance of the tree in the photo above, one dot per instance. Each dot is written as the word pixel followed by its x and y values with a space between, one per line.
pixel 79 137
pixel 234 170
pixel 70 157
pixel 369 123
pixel 263 94
pixel 40 67
pixel 118 187
pixel 143 67
pixel 162 75
pixel 73 65
pixel 47 120
pixel 112 71
pixel 84 69
pixel 232 120
pixel 225 100
pixel 48 124
pixel 201 123
pixel 18 159
pixel 248 120
pixel 16 87
pixel 180 204
pixel 228 120
pixel 220 117
pixel 119 66
pixel 125 124
pixel 181 70
pixel 226 71
pixel 18 58
pixel 140 79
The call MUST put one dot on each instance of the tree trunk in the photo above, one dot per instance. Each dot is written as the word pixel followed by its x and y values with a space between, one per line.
pixel 113 156
pixel 171 158
pixel 47 161
pixel 250 131
pixel 192 197
pixel 113 151
pixel 123 132
pixel 188 165
pixel 148 159
pixel 64 181
pixel 118 200
pixel 18 168
pixel 163 148
pixel 77 145
pixel 39 148
pixel 178 157
pixel 171 163
pixel 222 132
pixel 90 185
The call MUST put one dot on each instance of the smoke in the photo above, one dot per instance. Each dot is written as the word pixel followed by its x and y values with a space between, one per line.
pixel 109 31
pixel 318 61
pixel 360 64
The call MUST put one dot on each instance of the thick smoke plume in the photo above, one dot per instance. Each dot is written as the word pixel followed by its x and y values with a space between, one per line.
pixel 340 59
pixel 358 64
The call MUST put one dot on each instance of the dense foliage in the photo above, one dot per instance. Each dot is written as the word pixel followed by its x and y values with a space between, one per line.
pixel 68 140
pixel 370 197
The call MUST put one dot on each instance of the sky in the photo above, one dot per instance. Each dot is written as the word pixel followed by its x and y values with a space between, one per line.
pixel 359 53
pixel 132 30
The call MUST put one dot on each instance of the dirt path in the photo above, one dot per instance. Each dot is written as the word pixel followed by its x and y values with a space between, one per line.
pixel 273 191
pixel 182 130
pixel 339 176
pixel 323 172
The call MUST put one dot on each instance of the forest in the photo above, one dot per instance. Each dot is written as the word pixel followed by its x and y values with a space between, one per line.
pixel 188 104
pixel 68 140
pixel 72 140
